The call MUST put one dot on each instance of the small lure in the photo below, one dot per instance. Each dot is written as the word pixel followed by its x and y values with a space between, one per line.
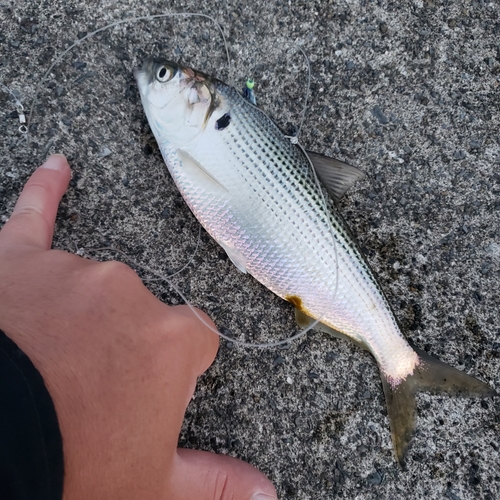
pixel 248 92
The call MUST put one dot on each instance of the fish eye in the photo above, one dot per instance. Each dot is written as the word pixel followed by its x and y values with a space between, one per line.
pixel 164 74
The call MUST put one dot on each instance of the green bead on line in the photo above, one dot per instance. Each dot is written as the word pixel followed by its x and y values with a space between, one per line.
pixel 250 84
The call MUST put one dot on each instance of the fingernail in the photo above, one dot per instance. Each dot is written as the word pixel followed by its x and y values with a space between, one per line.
pixel 55 162
pixel 262 496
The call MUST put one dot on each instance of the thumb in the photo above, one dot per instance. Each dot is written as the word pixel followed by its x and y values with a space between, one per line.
pixel 200 475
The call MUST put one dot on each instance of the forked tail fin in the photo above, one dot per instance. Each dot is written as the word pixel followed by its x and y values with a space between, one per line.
pixel 431 376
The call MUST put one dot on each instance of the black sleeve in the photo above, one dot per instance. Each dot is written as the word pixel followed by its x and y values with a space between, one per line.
pixel 31 452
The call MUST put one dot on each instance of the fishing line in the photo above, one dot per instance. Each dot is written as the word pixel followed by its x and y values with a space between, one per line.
pixel 59 58
pixel 294 139
pixel 165 278
pixel 308 91
pixel 327 212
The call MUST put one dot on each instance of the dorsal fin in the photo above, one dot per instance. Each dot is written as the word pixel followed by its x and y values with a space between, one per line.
pixel 336 176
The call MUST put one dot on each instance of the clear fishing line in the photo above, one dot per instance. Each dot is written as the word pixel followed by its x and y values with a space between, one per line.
pixel 166 278
pixel 294 140
pixel 59 58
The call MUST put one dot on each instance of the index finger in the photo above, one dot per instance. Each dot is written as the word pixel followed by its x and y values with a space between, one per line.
pixel 33 218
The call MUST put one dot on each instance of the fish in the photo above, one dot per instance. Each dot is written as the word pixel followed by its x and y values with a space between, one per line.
pixel 255 193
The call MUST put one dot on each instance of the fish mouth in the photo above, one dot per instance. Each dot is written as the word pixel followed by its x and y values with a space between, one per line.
pixel 137 71
pixel 144 73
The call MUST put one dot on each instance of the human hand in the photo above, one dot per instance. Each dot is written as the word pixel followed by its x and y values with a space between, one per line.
pixel 120 365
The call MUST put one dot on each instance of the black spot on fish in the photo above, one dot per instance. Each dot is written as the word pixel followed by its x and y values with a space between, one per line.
pixel 223 122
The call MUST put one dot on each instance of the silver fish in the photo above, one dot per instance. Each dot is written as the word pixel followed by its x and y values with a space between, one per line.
pixel 256 195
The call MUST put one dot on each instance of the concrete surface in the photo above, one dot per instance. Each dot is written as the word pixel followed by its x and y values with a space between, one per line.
pixel 407 91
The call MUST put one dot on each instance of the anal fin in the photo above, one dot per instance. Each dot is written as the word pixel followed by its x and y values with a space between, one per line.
pixel 304 321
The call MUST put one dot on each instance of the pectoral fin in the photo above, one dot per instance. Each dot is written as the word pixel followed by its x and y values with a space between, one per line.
pixel 336 176
pixel 195 170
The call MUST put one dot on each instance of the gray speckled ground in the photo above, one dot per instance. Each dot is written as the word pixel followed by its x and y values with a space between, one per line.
pixel 407 91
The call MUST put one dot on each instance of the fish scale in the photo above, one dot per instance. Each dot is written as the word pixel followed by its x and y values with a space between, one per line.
pixel 256 195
